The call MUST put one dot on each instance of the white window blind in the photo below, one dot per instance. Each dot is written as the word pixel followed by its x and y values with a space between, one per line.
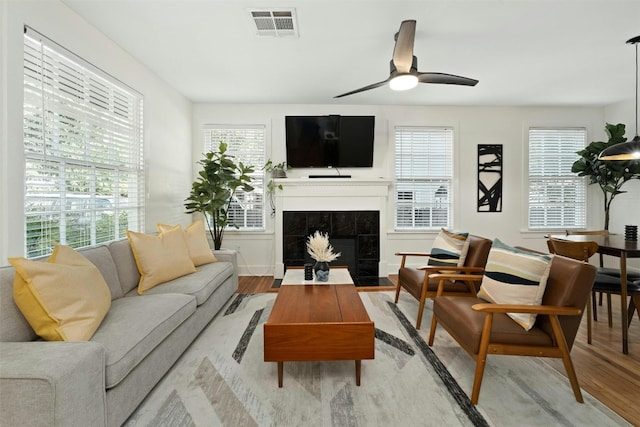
pixel 424 175
pixel 83 142
pixel 246 144
pixel 557 196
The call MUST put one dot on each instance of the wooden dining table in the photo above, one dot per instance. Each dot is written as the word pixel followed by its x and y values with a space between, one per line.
pixel 614 245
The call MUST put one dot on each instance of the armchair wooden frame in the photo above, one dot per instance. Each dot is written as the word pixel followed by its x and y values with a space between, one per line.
pixel 420 282
pixel 561 350
pixel 560 344
pixel 464 275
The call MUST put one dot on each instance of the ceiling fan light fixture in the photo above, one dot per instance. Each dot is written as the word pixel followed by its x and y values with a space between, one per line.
pixel 623 151
pixel 403 82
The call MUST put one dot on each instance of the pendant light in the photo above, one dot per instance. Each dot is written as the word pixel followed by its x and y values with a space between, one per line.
pixel 631 149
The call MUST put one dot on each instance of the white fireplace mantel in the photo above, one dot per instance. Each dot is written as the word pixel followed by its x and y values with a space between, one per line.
pixel 330 194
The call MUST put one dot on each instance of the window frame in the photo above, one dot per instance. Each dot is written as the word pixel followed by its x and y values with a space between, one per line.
pixel 447 179
pixel 83 150
pixel 258 177
pixel 565 183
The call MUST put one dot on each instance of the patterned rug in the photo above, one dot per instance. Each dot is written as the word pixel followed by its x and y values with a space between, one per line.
pixel 222 380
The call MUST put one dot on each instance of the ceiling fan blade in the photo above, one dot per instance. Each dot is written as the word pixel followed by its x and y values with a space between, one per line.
pixel 362 89
pixel 447 79
pixel 403 50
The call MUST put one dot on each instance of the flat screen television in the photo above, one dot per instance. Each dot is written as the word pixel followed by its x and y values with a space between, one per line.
pixel 329 141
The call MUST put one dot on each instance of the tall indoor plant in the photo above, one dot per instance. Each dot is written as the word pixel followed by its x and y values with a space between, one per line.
pixel 609 175
pixel 213 191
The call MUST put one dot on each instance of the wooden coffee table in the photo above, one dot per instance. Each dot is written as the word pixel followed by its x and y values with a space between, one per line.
pixel 318 322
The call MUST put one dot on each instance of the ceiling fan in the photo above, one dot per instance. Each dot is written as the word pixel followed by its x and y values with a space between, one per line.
pixel 404 66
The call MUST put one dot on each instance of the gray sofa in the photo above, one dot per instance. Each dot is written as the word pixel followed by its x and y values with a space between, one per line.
pixel 101 382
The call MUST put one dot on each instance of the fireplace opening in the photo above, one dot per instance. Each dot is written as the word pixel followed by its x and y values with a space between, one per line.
pixel 356 234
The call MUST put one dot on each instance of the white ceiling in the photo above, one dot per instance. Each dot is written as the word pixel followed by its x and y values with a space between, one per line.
pixel 523 52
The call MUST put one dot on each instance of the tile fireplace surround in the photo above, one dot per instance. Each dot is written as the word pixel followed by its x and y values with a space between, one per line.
pixel 326 201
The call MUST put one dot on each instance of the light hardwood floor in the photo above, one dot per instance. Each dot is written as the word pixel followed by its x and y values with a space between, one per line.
pixel 603 370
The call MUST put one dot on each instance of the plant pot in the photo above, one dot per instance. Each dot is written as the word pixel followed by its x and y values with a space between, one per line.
pixel 321 271
pixel 278 173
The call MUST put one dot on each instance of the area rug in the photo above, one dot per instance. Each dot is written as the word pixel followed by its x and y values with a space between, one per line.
pixel 222 380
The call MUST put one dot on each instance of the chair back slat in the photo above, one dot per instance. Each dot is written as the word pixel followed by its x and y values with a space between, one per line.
pixel 581 251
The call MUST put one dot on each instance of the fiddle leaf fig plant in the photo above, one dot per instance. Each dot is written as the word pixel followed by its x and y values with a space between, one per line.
pixel 609 175
pixel 213 191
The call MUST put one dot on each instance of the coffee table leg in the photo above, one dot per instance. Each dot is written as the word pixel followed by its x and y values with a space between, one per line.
pixel 358 363
pixel 280 369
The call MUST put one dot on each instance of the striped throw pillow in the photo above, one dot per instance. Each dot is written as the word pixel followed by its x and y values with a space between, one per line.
pixel 449 249
pixel 515 276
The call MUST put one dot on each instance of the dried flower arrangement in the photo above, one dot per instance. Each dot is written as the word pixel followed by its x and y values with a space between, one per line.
pixel 319 248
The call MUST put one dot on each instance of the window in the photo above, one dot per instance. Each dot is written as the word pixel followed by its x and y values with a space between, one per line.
pixel 557 196
pixel 424 175
pixel 247 145
pixel 84 182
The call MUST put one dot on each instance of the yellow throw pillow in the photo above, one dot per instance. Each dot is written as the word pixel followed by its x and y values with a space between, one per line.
pixel 196 238
pixel 63 299
pixel 160 258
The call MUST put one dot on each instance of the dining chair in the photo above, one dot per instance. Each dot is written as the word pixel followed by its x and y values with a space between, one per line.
pixel 482 328
pixel 582 251
pixel 416 281
pixel 631 276
pixel 615 272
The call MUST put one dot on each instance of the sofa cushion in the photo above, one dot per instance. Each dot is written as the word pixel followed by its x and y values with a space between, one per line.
pixel 449 249
pixel 64 298
pixel 160 258
pixel 101 258
pixel 515 276
pixel 200 284
pixel 125 262
pixel 134 327
pixel 13 326
pixel 196 239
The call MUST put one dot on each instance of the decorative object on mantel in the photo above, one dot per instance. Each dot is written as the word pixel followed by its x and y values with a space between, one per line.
pixel 610 176
pixel 215 188
pixel 489 177
pixel 631 233
pixel 630 150
pixel 321 251
pixel 308 271
pixel 277 170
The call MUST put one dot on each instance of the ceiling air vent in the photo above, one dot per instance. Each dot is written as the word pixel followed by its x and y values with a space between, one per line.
pixel 275 23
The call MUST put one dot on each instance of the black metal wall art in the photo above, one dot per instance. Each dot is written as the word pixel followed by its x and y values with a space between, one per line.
pixel 489 177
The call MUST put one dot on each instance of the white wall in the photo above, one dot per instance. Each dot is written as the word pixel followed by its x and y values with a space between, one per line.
pixel 473 126
pixel 167 116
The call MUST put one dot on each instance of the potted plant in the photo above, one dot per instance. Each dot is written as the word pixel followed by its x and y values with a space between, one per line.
pixel 609 175
pixel 321 251
pixel 276 170
pixel 215 188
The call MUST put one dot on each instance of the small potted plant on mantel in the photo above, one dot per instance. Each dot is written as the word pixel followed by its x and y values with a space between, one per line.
pixel 276 170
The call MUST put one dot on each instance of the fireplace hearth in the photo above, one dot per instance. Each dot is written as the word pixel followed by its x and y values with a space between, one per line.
pixel 356 234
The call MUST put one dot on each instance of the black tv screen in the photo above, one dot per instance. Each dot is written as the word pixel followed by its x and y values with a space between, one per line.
pixel 329 141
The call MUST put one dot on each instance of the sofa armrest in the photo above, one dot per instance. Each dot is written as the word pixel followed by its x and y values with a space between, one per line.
pixel 52 383
pixel 231 256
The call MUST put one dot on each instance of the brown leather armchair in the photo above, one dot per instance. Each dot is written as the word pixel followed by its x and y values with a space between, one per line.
pixel 418 283
pixel 482 328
